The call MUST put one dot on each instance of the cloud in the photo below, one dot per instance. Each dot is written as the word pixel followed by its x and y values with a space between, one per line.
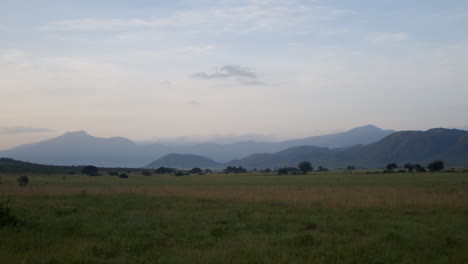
pixel 230 17
pixel 166 84
pixel 193 103
pixel 22 130
pixel 389 37
pixel 250 82
pixel 228 71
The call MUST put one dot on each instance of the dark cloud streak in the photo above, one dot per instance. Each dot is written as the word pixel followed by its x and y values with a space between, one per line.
pixel 22 130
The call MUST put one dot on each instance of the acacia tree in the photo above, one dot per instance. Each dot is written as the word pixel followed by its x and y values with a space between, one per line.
pixel 305 167
pixel 351 168
pixel 409 167
pixel 392 166
pixel 437 165
pixel 419 168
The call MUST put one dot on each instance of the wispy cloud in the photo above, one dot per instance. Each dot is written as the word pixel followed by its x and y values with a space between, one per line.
pixel 228 71
pixel 22 130
pixel 251 16
pixel 389 37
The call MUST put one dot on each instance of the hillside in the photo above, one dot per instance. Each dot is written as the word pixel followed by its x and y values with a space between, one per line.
pixel 15 166
pixel 450 145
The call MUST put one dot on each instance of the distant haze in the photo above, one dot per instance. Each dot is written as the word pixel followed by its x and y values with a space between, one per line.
pixel 191 69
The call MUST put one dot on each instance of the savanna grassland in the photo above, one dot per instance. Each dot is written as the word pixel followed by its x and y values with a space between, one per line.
pixel 333 217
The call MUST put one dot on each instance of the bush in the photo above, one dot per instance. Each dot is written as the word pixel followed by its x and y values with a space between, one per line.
pixel 230 169
pixel 180 173
pixel 123 176
pixel 90 170
pixel 23 180
pixel 164 170
pixel 287 170
pixel 196 171
pixel 322 169
pixel 7 218
pixel 113 173
pixel 146 173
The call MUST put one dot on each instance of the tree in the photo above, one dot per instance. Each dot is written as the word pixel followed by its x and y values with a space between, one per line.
pixel 123 176
pixel 322 169
pixel 305 167
pixel 282 171
pixel 437 165
pixel 23 180
pixel 196 171
pixel 419 168
pixel 392 166
pixel 164 170
pixel 90 170
pixel 409 167
pixel 230 169
pixel 351 168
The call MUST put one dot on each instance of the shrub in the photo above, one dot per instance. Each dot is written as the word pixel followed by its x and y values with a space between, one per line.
pixel 146 173
pixel 196 171
pixel 23 180
pixel 164 170
pixel 123 176
pixel 230 169
pixel 7 218
pixel 322 169
pixel 90 170
pixel 180 173
pixel 113 173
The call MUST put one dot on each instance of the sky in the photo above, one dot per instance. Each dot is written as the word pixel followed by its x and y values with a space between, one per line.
pixel 194 68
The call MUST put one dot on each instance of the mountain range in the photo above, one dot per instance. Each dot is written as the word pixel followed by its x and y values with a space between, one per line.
pixel 80 148
pixel 449 145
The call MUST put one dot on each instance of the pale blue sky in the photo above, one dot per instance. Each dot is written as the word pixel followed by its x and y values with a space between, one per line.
pixel 144 69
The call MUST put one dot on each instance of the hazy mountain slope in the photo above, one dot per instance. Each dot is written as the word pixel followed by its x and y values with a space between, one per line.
pixel 449 145
pixel 356 136
pixel 79 148
pixel 226 152
pixel 184 161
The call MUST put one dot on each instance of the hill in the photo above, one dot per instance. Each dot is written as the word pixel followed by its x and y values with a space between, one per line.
pixel 184 161
pixel 8 165
pixel 450 145
pixel 79 148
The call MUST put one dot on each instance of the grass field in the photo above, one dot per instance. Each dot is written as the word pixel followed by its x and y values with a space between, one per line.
pixel 333 217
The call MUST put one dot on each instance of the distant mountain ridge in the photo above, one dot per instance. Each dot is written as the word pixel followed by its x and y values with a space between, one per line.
pixel 80 148
pixel 449 145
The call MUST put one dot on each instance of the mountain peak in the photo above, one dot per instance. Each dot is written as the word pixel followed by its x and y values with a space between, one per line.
pixel 367 128
pixel 77 133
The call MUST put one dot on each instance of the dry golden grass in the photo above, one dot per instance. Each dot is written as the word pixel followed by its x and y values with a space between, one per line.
pixel 336 196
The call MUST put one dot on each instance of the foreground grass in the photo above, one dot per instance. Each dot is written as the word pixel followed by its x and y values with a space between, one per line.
pixel 216 219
